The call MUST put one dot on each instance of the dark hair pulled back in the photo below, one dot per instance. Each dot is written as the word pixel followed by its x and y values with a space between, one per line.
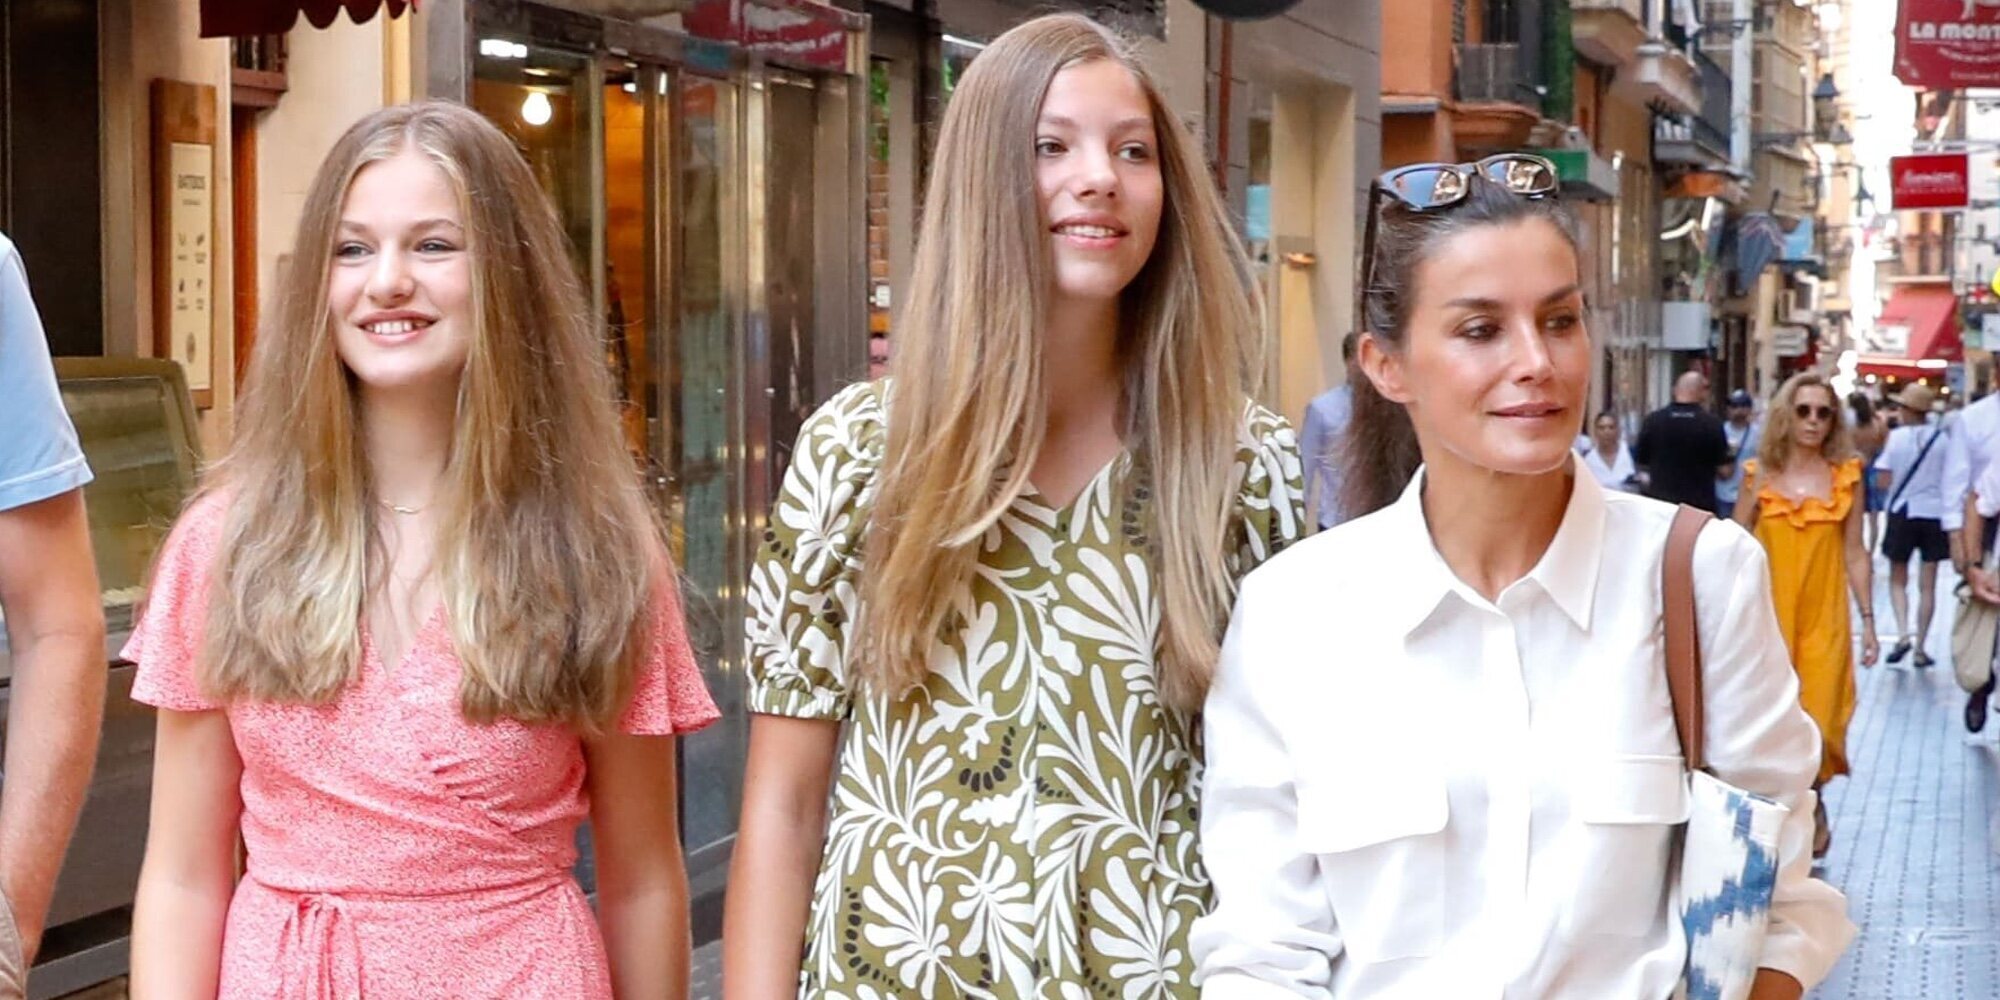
pixel 1380 446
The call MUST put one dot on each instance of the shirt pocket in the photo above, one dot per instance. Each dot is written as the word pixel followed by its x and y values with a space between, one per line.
pixel 1630 806
pixel 1382 861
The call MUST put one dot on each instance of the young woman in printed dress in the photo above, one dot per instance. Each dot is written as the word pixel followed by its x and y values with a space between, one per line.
pixel 1441 759
pixel 1001 574
pixel 420 623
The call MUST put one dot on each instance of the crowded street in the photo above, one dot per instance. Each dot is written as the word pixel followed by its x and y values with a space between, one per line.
pixel 999 499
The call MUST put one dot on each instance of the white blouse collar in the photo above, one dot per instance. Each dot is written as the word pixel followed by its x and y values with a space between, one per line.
pixel 1567 572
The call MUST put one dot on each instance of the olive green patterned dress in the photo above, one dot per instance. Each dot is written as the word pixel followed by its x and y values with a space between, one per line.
pixel 1024 825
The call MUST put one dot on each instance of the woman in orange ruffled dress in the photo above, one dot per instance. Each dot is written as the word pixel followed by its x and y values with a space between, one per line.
pixel 1802 498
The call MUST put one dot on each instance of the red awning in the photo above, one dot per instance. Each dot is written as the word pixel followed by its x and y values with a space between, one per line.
pixel 1902 369
pixel 1931 314
pixel 221 18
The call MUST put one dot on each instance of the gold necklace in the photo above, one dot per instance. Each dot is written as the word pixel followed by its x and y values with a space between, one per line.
pixel 399 508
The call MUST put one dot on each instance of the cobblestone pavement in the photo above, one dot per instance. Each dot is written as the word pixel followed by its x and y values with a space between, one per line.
pixel 1916 833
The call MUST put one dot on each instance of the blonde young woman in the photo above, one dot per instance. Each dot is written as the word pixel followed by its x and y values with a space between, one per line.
pixel 1002 574
pixel 419 624
pixel 1802 496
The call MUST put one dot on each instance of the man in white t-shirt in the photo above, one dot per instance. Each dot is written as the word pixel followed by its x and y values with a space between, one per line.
pixel 1909 472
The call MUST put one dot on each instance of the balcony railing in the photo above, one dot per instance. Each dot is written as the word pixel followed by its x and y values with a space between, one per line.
pixel 1507 64
pixel 1498 72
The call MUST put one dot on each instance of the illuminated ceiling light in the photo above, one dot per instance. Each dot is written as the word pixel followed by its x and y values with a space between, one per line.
pixel 536 109
pixel 501 49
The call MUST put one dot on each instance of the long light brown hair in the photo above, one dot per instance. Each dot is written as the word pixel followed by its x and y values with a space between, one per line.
pixel 969 404
pixel 1774 451
pixel 548 554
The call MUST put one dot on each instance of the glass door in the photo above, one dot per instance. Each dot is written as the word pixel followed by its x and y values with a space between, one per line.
pixel 702 442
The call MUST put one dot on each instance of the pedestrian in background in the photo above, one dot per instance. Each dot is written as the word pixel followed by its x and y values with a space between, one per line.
pixel 1972 438
pixel 1480 791
pixel 1982 505
pixel 1909 473
pixel 54 617
pixel 1802 499
pixel 1741 429
pixel 1871 433
pixel 1001 575
pixel 419 623
pixel 1608 460
pixel 1681 447
pixel 1323 441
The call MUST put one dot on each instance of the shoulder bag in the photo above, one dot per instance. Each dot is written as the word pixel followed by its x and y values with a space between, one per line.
pixel 1729 851
pixel 1973 634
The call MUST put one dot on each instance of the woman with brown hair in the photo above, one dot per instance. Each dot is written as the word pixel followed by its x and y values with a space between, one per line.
pixel 419 624
pixel 992 591
pixel 1441 761
pixel 1802 497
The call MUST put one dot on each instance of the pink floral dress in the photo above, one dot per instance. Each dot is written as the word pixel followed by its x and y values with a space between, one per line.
pixel 394 849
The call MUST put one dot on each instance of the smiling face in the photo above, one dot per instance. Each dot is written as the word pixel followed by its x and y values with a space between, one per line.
pixel 1495 361
pixel 1098 172
pixel 400 291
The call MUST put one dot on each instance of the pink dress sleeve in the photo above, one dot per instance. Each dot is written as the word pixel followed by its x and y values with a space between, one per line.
pixel 669 697
pixel 169 629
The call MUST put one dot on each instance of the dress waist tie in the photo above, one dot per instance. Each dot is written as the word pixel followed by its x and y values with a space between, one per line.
pixel 318 955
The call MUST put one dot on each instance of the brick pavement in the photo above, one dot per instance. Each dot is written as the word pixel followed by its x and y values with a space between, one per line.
pixel 1916 843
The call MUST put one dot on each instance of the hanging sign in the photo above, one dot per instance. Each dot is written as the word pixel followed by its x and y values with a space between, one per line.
pixel 1929 180
pixel 1943 44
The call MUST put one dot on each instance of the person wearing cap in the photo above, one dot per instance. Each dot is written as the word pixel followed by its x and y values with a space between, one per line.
pixel 1742 431
pixel 1910 474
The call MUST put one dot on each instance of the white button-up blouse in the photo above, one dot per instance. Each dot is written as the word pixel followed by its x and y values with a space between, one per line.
pixel 1414 792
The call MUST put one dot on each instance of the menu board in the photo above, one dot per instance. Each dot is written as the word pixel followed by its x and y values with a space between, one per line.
pixel 190 269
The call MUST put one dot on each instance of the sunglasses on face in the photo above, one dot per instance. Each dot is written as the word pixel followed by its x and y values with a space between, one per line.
pixel 1807 411
pixel 1432 187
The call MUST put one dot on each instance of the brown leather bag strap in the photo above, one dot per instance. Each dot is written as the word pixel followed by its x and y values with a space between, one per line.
pixel 1683 635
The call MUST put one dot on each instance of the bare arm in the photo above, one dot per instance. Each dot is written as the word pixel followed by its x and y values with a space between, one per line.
pixel 1860 581
pixel 1973 538
pixel 642 891
pixel 190 869
pixel 1746 501
pixel 55 625
pixel 778 844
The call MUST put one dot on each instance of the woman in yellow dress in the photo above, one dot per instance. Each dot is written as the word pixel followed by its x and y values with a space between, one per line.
pixel 1801 497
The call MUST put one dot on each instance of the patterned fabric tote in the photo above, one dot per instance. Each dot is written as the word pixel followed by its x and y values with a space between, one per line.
pixel 1729 851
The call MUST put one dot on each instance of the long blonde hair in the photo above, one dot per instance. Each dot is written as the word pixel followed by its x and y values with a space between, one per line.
pixel 548 554
pixel 1774 451
pixel 969 405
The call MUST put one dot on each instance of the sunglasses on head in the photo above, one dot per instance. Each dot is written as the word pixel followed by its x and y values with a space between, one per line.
pixel 1808 411
pixel 1432 187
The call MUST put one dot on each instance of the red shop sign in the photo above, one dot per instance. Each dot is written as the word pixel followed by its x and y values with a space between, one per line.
pixel 1932 180
pixel 1948 43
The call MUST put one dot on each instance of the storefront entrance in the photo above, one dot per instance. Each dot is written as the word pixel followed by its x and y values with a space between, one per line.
pixel 713 199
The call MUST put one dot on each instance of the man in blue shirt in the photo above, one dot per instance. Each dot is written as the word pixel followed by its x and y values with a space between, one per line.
pixel 1744 435
pixel 55 627
pixel 1320 442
